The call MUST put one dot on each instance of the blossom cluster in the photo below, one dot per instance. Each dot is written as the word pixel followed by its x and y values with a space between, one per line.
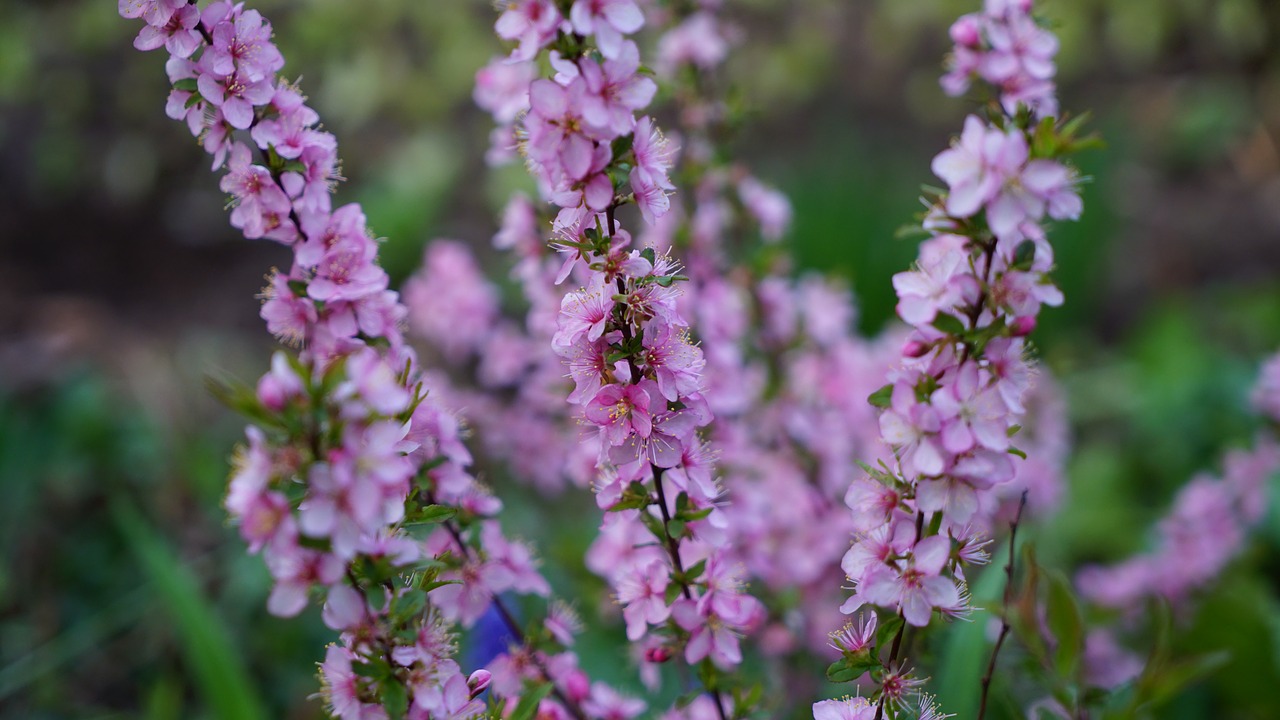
pixel 783 363
pixel 1204 531
pixel 354 484
pixel 637 376
pixel 956 401
pixel 1006 48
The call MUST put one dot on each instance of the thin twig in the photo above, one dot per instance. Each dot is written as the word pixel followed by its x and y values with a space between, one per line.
pixel 1004 616
pixel 510 620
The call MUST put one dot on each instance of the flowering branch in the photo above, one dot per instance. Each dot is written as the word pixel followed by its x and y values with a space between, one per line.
pixel 956 400
pixel 348 458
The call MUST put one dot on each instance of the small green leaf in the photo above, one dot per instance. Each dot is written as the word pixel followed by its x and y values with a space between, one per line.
pixel 1025 255
pixel 949 324
pixel 409 603
pixel 840 672
pixel 187 85
pixel 888 628
pixel 529 702
pixel 1066 624
pixel 676 528
pixel 882 397
pixel 672 593
pixel 622 146
pixel 432 514
pixel 395 698
pixel 1015 451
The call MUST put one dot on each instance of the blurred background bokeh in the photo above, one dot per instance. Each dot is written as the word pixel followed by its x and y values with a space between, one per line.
pixel 122 287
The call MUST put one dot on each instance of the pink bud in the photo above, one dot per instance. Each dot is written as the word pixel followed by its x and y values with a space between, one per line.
pixel 270 393
pixel 657 654
pixel 1023 325
pixel 914 349
pixel 577 686
pixel 478 681
pixel 965 31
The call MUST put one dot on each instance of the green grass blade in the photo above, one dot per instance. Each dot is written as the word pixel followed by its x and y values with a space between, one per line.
pixel 219 674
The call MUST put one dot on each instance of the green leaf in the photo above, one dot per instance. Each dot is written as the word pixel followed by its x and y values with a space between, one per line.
pixel 187 85
pixel 672 592
pixel 218 668
pixel 1024 255
pixel 949 324
pixel 409 603
pixel 676 528
pixel 622 146
pixel 887 630
pixel 432 585
pixel 693 572
pixel 528 704
pixel 1015 451
pixel 881 398
pixel 840 672
pixel 852 666
pixel 395 698
pixel 655 525
pixel 431 515
pixel 1066 624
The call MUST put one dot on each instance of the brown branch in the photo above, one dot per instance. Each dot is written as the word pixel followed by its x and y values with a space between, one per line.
pixel 1004 616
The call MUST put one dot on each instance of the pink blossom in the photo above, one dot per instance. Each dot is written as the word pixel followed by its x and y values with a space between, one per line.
pixel 622 411
pixel 177 34
pixel 912 427
pixel 606 704
pixel 770 208
pixel 978 165
pixel 709 636
pixel 608 21
pixel 242 44
pixel 849 708
pixel 531 22
pixel 502 88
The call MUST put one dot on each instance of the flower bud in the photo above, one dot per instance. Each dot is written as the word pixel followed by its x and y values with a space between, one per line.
pixel 914 349
pixel 1023 325
pixel 965 31
pixel 577 686
pixel 271 394
pixel 478 681
pixel 658 654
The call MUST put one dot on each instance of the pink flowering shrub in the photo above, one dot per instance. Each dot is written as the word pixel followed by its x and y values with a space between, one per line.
pixel 762 470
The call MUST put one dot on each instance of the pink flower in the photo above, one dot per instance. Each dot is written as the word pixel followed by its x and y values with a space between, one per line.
pixel 502 88
pixel 606 704
pixel 642 594
pixel 912 427
pixel 531 22
pixel 615 91
pixel 177 34
pixel 608 20
pixel 235 95
pixel 849 708
pixel 242 43
pixel 769 207
pixel 556 133
pixel 296 570
pixel 622 410
pixel 709 636
pixel 348 271
pixel 918 588
pixel 978 165
pixel 698 41
pixel 938 285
